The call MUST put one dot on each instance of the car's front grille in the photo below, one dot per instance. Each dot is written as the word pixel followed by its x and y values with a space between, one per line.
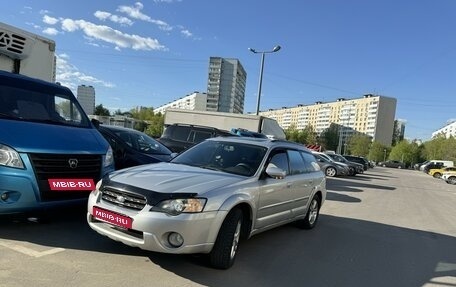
pixel 56 166
pixel 122 198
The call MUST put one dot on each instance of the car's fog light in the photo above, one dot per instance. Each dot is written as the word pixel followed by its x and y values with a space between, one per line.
pixel 175 239
pixel 4 196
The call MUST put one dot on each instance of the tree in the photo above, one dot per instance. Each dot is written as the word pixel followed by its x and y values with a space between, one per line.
pixel 101 111
pixel 359 144
pixel 378 152
pixel 329 138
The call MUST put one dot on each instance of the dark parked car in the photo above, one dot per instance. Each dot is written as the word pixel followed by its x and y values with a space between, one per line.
pixel 392 163
pixel 179 137
pixel 131 147
pixel 354 167
pixel 359 159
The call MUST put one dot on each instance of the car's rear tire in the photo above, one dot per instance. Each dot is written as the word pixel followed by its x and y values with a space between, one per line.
pixel 331 171
pixel 225 248
pixel 312 215
pixel 437 175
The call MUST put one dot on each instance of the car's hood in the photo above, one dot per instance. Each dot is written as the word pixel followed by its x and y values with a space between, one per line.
pixel 341 164
pixel 174 178
pixel 39 137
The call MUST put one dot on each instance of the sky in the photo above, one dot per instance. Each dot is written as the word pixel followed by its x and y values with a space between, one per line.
pixel 151 52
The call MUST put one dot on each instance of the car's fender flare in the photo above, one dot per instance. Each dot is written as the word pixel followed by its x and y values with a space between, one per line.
pixel 247 205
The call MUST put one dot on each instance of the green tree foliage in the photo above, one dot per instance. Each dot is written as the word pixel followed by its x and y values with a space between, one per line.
pixel 101 111
pixel 329 138
pixel 305 136
pixel 405 151
pixel 440 148
pixel 378 152
pixel 359 144
pixel 148 122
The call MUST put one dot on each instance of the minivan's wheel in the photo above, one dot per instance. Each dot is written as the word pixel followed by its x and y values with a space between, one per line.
pixel 437 175
pixel 224 251
pixel 331 171
pixel 452 180
pixel 313 212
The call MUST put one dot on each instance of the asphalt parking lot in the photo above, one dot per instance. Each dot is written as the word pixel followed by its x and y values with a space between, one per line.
pixel 386 227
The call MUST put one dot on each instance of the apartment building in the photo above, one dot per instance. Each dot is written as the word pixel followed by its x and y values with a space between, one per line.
pixel 372 115
pixel 86 97
pixel 226 85
pixel 448 130
pixel 196 101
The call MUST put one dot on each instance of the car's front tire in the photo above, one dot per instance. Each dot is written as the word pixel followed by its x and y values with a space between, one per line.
pixel 451 180
pixel 224 251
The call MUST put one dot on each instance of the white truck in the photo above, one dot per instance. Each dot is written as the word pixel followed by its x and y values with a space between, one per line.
pixel 25 53
pixel 225 121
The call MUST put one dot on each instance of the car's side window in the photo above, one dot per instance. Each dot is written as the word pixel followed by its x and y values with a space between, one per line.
pixel 310 162
pixel 297 165
pixel 280 160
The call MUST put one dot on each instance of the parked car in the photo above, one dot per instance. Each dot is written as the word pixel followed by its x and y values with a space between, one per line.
pixel 438 172
pixel 359 159
pixel 179 137
pixel 209 197
pixel 330 167
pixel 392 163
pixel 449 177
pixel 354 167
pixel 432 165
pixel 436 164
pixel 417 166
pixel 131 147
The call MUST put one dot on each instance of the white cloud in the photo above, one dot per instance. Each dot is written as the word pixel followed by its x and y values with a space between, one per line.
pixel 186 33
pixel 50 20
pixel 69 25
pixel 42 12
pixel 68 75
pixel 110 35
pixel 50 31
pixel 135 13
pixel 102 15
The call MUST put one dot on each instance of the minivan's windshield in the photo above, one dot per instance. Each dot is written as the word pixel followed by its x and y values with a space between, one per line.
pixel 29 105
pixel 231 157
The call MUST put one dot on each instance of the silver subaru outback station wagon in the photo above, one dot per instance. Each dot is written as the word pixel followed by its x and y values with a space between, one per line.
pixel 210 197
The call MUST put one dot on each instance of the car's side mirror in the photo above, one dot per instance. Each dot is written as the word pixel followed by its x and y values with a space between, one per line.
pixel 96 123
pixel 275 172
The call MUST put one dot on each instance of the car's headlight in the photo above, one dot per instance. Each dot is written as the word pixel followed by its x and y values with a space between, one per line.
pixel 180 205
pixel 10 157
pixel 109 158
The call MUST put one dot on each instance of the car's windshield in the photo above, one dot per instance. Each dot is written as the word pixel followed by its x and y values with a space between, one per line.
pixel 29 105
pixel 142 142
pixel 231 157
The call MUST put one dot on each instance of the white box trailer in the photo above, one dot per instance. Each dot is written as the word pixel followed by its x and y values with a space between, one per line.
pixel 25 53
pixel 225 121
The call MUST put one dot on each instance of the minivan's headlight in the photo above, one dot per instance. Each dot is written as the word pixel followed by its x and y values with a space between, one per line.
pixel 10 157
pixel 109 158
pixel 180 205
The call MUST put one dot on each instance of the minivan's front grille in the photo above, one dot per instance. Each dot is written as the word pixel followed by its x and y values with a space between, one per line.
pixel 122 198
pixel 56 166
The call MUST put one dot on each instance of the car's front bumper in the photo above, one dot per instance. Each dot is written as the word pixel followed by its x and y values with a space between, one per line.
pixel 150 230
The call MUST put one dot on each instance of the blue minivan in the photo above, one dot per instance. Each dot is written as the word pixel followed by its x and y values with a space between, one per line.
pixel 51 154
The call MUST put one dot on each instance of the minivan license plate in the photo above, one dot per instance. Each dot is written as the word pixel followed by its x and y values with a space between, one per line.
pixel 112 217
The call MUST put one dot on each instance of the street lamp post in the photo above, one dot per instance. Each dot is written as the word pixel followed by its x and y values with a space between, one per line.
pixel 260 82
pixel 384 155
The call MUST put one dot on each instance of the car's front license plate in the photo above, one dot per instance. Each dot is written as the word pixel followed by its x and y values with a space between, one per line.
pixel 112 217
